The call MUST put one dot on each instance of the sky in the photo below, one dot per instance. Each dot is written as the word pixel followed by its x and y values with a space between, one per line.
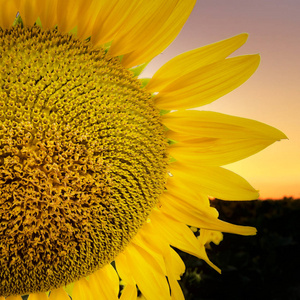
pixel 271 95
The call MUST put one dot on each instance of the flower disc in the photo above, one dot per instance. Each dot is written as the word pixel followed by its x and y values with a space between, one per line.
pixel 83 159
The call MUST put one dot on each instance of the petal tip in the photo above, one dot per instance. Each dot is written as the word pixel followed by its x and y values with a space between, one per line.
pixel 244 36
pixel 277 135
pixel 256 58
pixel 282 136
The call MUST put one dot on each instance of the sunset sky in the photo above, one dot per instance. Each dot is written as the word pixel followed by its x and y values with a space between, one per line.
pixel 271 95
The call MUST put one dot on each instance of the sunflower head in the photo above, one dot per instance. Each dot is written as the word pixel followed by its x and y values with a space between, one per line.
pixel 100 171
pixel 83 159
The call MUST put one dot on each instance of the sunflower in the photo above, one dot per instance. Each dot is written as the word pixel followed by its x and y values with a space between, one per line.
pixel 104 173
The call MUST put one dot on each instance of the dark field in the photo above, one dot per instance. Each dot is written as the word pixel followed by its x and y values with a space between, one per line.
pixel 265 266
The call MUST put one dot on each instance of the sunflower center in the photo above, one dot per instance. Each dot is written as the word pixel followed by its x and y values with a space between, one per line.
pixel 82 159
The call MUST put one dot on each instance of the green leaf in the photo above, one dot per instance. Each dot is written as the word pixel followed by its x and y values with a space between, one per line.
pixel 18 20
pixel 144 81
pixel 138 69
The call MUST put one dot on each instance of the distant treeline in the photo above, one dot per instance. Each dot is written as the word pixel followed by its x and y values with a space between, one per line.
pixel 265 266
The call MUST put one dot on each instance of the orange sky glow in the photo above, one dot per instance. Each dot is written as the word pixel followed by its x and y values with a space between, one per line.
pixel 271 95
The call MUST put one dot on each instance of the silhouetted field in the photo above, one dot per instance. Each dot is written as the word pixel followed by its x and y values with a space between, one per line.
pixel 265 266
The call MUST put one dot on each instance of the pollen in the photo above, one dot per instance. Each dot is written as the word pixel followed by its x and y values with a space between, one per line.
pixel 83 159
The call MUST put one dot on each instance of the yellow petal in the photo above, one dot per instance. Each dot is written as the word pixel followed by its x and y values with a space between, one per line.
pixel 215 181
pixel 129 292
pixel 38 296
pixel 148 237
pixel 176 233
pixel 82 291
pixel 147 273
pixel 172 260
pixel 123 269
pixel 149 244
pixel 207 83
pixel 200 217
pixel 68 13
pixel 12 298
pixel 47 13
pixel 176 292
pixel 187 210
pixel 216 152
pixel 58 294
pixel 208 236
pixel 180 236
pixel 112 15
pixel 105 282
pixel 8 12
pixel 29 11
pixel 192 197
pixel 144 22
pixel 194 59
pixel 175 263
pixel 160 40
pixel 86 18
pixel 217 125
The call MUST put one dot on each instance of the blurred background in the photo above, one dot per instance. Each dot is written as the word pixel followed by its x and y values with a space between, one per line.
pixel 267 265
pixel 261 267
